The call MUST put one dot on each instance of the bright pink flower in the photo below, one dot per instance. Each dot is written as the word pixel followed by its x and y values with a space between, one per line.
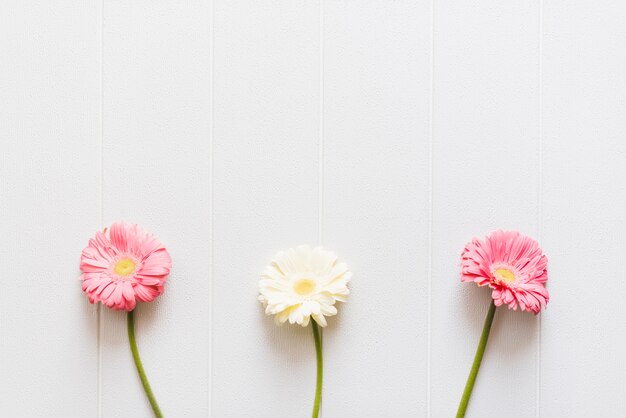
pixel 511 264
pixel 127 266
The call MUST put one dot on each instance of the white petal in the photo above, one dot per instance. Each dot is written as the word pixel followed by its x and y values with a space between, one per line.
pixel 322 261
pixel 321 320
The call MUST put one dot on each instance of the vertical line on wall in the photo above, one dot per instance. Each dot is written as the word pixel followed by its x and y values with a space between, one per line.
pixel 430 207
pixel 320 221
pixel 539 201
pixel 321 129
pixel 99 309
pixel 211 187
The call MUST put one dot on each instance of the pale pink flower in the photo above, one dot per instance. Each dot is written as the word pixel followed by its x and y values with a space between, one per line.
pixel 511 264
pixel 127 266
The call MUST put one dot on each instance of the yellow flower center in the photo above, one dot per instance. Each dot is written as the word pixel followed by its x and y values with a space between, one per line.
pixel 124 267
pixel 505 275
pixel 304 286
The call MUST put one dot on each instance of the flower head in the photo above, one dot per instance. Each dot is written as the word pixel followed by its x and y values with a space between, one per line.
pixel 511 264
pixel 126 266
pixel 302 283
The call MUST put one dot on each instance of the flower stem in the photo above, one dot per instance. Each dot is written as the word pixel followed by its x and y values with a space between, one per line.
pixel 320 368
pixel 142 373
pixel 480 351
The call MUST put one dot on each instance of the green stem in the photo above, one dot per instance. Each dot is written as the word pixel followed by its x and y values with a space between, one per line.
pixel 142 373
pixel 480 351
pixel 320 368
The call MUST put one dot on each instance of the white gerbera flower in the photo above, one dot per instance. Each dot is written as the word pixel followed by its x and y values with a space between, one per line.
pixel 302 283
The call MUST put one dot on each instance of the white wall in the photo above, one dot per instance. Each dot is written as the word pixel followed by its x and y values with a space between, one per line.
pixel 391 131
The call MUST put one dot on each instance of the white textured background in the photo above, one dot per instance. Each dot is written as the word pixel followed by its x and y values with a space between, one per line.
pixel 391 131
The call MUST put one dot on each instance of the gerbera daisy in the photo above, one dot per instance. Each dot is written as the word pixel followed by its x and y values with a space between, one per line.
pixel 124 267
pixel 127 266
pixel 511 264
pixel 302 283
pixel 515 268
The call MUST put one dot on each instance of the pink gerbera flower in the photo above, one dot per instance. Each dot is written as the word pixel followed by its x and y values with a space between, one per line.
pixel 511 264
pixel 127 266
